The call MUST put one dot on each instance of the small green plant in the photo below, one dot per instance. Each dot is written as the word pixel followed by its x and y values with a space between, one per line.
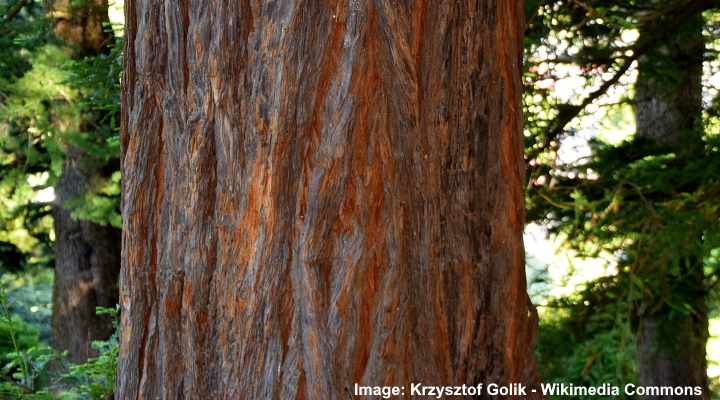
pixel 31 370
pixel 25 361
pixel 95 379
pixel 586 339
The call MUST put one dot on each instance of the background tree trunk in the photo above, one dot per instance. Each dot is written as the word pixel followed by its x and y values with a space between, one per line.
pixel 87 255
pixel 87 264
pixel 321 193
pixel 668 106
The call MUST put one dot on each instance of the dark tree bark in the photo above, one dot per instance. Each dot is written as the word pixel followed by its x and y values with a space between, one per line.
pixel 87 255
pixel 668 105
pixel 81 25
pixel 87 264
pixel 321 193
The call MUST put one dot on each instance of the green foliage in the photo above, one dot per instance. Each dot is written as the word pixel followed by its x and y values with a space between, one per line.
pixel 49 103
pixel 95 379
pixel 97 80
pixel 587 339
pixel 655 208
pixel 28 297
pixel 662 204
pixel 29 87
pixel 18 37
pixel 24 360
pixel 33 370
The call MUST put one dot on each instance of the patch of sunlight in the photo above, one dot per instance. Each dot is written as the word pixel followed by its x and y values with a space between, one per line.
pixel 46 195
pixel 42 194
pixel 38 179
pixel 554 271
pixel 117 16
pixel 713 349
pixel 629 36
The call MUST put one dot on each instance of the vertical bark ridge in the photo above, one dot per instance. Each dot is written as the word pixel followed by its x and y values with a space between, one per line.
pixel 340 199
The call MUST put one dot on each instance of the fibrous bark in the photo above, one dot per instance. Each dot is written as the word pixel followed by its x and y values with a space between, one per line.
pixel 668 106
pixel 87 255
pixel 321 193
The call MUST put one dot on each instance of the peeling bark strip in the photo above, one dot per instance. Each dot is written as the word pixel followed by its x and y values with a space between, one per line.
pixel 318 193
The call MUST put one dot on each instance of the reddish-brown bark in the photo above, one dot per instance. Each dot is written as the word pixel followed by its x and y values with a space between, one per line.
pixel 321 193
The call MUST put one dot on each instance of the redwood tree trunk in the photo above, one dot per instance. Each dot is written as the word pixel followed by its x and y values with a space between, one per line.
pixel 671 344
pixel 87 255
pixel 321 193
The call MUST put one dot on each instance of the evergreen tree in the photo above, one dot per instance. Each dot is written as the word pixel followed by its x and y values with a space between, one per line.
pixel 650 199
pixel 87 254
pixel 59 101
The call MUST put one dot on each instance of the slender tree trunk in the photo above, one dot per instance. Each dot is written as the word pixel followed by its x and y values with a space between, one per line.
pixel 87 255
pixel 671 344
pixel 321 193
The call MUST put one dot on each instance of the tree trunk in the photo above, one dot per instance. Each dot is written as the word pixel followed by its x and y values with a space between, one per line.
pixel 87 264
pixel 87 255
pixel 318 194
pixel 671 344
